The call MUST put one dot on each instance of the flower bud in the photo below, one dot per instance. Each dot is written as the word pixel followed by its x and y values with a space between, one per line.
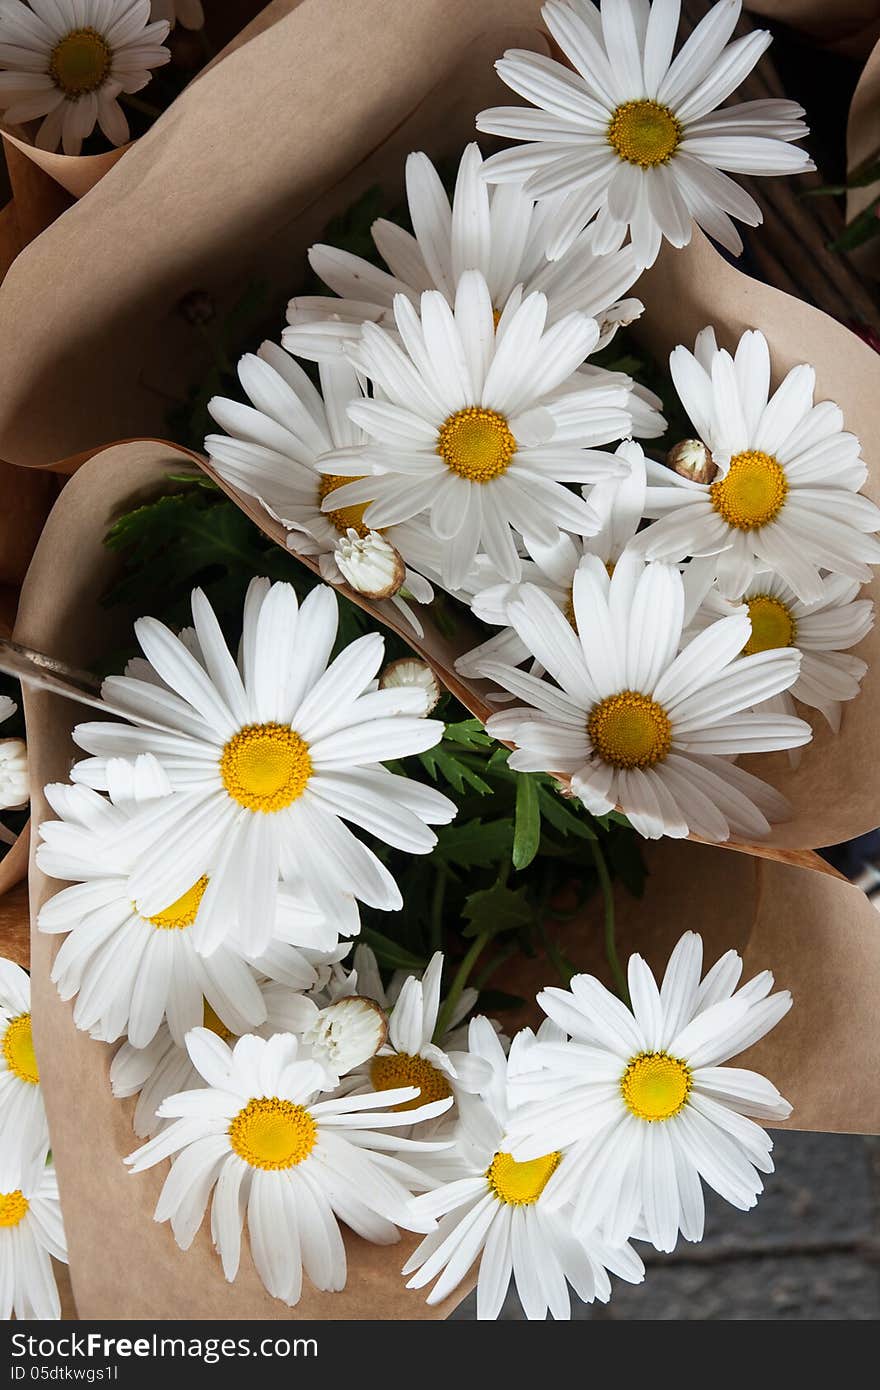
pixel 691 459
pixel 370 564
pixel 14 788
pixel 347 1033
pixel 412 675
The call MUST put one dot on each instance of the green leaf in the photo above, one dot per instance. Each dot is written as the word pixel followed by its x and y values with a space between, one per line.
pixel 496 909
pixel 559 813
pixel 389 953
pixel 475 843
pixel 470 734
pixel 455 770
pixel 860 230
pixel 527 821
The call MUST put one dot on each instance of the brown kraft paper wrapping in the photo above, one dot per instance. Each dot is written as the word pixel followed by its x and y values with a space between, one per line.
pixel 818 934
pixel 232 185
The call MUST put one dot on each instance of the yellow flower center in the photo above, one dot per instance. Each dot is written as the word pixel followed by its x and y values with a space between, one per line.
pixel 630 730
pixel 404 1069
pixel 520 1184
pixel 212 1020
pixel 344 518
pixel 496 317
pixel 18 1050
pixel 183 912
pixel 14 1207
pixel 271 1133
pixel 655 1086
pixel 752 492
pixel 265 766
pixel 568 610
pixel 772 625
pixel 644 133
pixel 476 443
pixel 80 62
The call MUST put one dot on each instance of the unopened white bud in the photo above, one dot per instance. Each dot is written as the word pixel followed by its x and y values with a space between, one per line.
pixel 14 788
pixel 347 1033
pixel 691 459
pixel 370 564
pixel 409 674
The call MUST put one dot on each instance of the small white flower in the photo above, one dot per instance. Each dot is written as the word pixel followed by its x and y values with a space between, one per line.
pixel 68 61
pixel 7 708
pixel 498 231
pixel 409 674
pixel 14 785
pixel 786 498
pixel 346 1034
pixel 25 1133
pixel 370 564
pixel 266 761
pixel 631 137
pixel 822 632
pixel 290 1161
pixel 493 1208
pixel 477 428
pixel 31 1236
pixel 641 1102
pixel 439 1070
pixel 638 724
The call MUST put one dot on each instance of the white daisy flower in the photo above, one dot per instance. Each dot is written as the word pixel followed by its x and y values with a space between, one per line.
pixel 294 1162
pixel 266 761
pixel 131 973
pixel 498 231
pixel 822 633
pixel 619 504
pixel 410 673
pixel 478 428
pixel 31 1234
pixel 786 498
pixel 7 708
pixel 163 1067
pixel 25 1131
pixel 632 137
pixel 368 982
pixel 641 1102
pixel 635 723
pixel 68 61
pixel 271 452
pixel 439 1070
pixel 493 1209
pixel 189 14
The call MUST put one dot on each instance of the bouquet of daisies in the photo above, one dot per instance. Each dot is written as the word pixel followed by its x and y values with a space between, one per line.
pixel 334 918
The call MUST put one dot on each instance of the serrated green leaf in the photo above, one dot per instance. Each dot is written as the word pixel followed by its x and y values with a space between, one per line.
pixel 527 821
pixel 454 769
pixel 475 844
pixel 496 909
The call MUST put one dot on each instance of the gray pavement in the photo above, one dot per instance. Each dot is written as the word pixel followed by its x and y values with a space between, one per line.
pixel 810 1250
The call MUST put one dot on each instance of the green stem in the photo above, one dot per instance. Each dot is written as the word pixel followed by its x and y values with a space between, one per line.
pixel 437 900
pixel 491 966
pixel 462 975
pixel 146 108
pixel 563 967
pixel 610 941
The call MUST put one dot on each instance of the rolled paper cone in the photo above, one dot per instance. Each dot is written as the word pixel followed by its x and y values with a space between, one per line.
pixel 14 911
pixel 256 136
pixel 862 144
pixel 78 174
pixel 26 498
pixel 108 1212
